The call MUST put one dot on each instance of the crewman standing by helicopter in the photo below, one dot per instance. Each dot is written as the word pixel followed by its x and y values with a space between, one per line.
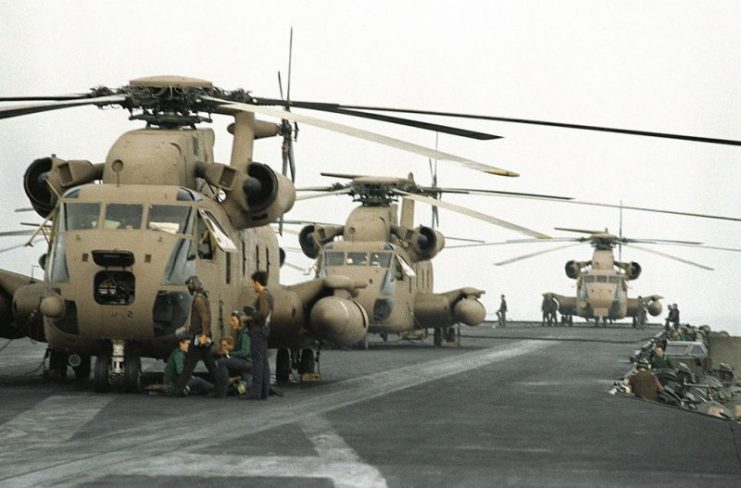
pixel 259 327
pixel 502 313
pixel 200 339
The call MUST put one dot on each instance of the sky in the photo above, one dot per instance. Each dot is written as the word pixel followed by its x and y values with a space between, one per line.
pixel 668 66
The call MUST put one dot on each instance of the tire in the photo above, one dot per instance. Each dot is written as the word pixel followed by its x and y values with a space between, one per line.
pixel 306 365
pixel 132 374
pixel 82 372
pixel 437 337
pixel 57 365
pixel 101 383
pixel 282 365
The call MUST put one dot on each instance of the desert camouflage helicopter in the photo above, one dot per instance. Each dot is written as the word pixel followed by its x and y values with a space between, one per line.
pixel 125 234
pixel 383 249
pixel 602 282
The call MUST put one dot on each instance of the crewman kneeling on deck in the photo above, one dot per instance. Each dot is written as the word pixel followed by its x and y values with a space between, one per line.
pixel 173 370
pixel 661 360
pixel 238 361
pixel 643 383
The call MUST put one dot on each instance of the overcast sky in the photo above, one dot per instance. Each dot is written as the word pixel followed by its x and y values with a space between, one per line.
pixel 670 66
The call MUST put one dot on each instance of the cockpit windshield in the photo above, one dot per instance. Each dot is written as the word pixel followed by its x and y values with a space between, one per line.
pixel 80 216
pixel 174 219
pixel 122 216
pixel 357 259
pixel 334 258
pixel 380 259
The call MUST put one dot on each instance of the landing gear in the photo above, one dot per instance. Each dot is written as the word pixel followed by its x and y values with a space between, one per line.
pixel 114 366
pixel 132 380
pixel 101 380
pixel 55 364
pixel 437 337
pixel 282 365
pixel 384 336
pixel 82 369
pixel 306 362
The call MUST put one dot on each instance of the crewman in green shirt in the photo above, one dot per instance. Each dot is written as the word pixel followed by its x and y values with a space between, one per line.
pixel 661 360
pixel 239 360
pixel 174 368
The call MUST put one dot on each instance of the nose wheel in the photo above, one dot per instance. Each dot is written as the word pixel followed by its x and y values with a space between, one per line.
pixel 115 367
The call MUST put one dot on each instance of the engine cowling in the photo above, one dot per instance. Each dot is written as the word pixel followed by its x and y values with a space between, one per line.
pixel 308 242
pixel 632 270
pixel 59 175
pixel 339 320
pixel 258 197
pixel 573 269
pixel 470 311
pixel 425 243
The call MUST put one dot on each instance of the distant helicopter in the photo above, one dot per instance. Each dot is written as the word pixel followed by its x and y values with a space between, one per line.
pixel 602 282
pixel 124 235
pixel 392 256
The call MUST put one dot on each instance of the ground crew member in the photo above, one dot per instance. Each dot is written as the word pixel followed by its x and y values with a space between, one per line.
pixel 259 329
pixel 200 339
pixel 675 316
pixel 640 318
pixel 174 368
pixel 502 313
pixel 643 383
pixel 239 359
pixel 661 360
pixel 669 316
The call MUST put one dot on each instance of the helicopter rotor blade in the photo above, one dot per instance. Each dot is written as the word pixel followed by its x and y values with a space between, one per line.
pixel 473 213
pixel 655 210
pixel 334 108
pixel 14 233
pixel 362 134
pixel 25 244
pixel 581 231
pixel 341 191
pixel 494 193
pixel 32 108
pixel 670 256
pixel 533 254
pixel 519 241
pixel 664 135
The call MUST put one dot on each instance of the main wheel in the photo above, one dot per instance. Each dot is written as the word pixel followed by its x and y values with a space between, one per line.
pixel 82 372
pixel 437 337
pixel 306 365
pixel 132 373
pixel 101 382
pixel 282 365
pixel 57 365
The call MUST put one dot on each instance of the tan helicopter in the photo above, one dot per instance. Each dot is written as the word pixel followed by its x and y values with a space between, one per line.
pixel 125 234
pixel 602 282
pixel 383 249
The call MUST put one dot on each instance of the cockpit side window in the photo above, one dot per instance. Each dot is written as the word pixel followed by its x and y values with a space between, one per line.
pixel 357 258
pixel 205 241
pixel 122 216
pixel 380 259
pixel 80 216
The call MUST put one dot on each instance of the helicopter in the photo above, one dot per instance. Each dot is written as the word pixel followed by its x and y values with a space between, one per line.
pixel 379 245
pixel 602 282
pixel 124 235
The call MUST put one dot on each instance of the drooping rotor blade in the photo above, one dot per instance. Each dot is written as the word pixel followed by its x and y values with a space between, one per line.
pixel 581 231
pixel 74 96
pixel 32 108
pixel 363 134
pixel 655 210
pixel 335 192
pixel 294 266
pixel 473 213
pixel 519 241
pixel 479 191
pixel 681 260
pixel 661 241
pixel 287 231
pixel 614 130
pixel 10 233
pixel 463 239
pixel 25 244
pixel 533 254
pixel 24 209
pixel 305 222
pixel 333 108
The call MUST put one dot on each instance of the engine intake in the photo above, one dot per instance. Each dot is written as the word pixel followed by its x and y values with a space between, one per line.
pixel 308 242
pixel 258 197
pixel 632 270
pixel 573 269
pixel 424 242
